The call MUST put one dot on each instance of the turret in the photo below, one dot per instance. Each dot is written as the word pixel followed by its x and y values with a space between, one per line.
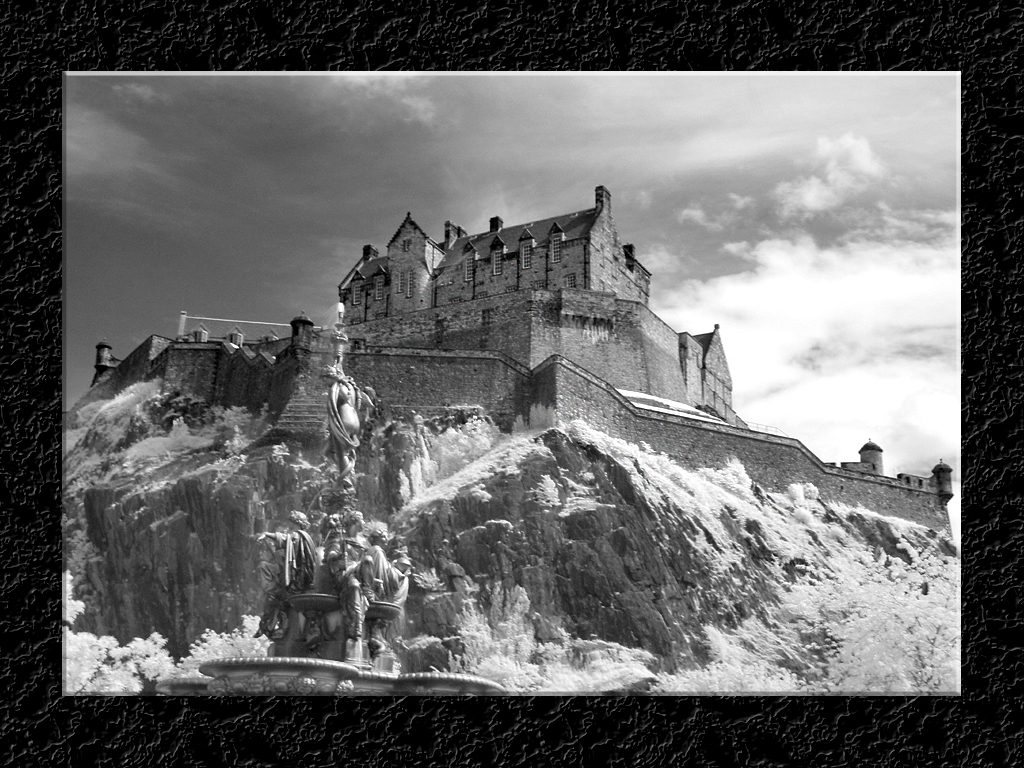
pixel 871 456
pixel 104 360
pixel 302 332
pixel 942 475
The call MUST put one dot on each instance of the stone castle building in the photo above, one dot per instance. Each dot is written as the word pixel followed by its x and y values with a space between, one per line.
pixel 536 323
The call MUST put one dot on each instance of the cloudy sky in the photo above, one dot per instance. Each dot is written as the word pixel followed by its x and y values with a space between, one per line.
pixel 815 217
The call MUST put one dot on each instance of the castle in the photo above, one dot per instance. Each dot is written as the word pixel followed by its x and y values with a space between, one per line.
pixel 536 323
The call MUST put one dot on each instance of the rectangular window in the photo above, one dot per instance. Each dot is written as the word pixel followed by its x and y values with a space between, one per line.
pixel 498 262
pixel 510 289
pixel 485 318
pixel 378 285
pixel 406 244
pixel 357 296
pixel 556 251
pixel 468 269
pixel 527 253
pixel 401 283
pixel 451 277
pixel 570 281
pixel 408 284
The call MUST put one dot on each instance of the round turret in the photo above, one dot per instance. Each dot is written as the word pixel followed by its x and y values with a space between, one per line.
pixel 103 356
pixel 943 475
pixel 302 332
pixel 871 454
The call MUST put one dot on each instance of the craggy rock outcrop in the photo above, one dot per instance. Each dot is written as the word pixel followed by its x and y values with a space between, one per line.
pixel 604 547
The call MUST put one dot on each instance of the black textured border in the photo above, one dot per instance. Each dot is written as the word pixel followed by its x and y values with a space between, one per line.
pixel 41 728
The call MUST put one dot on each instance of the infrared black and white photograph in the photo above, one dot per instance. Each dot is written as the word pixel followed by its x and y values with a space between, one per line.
pixel 511 384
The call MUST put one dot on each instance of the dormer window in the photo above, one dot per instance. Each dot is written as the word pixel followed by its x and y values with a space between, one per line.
pixel 201 334
pixel 556 246
pixel 526 254
pixel 236 337
pixel 378 285
pixel 497 262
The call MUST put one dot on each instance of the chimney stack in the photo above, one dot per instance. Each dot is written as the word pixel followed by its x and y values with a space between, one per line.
pixel 603 199
pixel 452 232
pixel 496 223
pixel 369 252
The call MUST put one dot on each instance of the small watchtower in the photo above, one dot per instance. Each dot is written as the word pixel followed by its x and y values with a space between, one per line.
pixel 104 360
pixel 302 332
pixel 942 475
pixel 871 458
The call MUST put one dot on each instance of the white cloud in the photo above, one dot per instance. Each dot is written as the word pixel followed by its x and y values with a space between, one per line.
pixel 849 167
pixel 835 345
pixel 697 215
pixel 403 91
pixel 740 202
pixel 95 144
pixel 138 92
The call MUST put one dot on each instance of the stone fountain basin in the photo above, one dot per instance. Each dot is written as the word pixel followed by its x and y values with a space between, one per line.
pixel 280 675
pixel 315 601
pixel 296 676
pixel 379 610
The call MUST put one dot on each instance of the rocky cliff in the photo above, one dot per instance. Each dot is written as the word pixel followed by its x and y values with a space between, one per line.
pixel 572 538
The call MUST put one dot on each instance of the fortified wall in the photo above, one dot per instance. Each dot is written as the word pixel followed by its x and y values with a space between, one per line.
pixel 535 324
pixel 623 339
pixel 555 392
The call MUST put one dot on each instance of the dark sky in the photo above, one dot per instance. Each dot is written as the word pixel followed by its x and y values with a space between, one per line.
pixel 815 217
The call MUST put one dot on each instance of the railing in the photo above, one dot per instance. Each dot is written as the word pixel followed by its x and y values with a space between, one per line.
pixel 766 429
pixel 184 317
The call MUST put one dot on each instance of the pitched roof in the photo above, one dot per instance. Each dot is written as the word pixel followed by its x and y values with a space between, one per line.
pixel 252 331
pixel 704 339
pixel 574 225
pixel 365 270
pixel 407 220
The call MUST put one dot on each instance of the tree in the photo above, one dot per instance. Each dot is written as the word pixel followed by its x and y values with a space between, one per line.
pixel 890 626
pixel 95 664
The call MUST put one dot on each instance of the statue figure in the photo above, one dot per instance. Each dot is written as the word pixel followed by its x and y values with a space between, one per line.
pixel 347 407
pixel 382 581
pixel 288 563
pixel 344 546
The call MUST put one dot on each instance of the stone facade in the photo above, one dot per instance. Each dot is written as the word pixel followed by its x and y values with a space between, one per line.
pixel 534 324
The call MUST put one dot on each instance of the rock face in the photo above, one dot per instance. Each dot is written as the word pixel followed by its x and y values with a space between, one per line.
pixel 608 542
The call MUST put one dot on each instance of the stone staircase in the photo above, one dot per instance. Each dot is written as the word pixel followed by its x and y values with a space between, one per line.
pixel 303 420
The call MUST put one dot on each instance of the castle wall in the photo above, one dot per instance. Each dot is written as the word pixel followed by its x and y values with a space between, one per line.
pixel 134 368
pixel 408 254
pixel 563 392
pixel 428 379
pixel 191 368
pixel 610 270
pixel 242 380
pixel 623 340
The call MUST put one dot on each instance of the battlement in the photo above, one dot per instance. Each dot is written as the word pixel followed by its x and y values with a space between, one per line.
pixel 538 323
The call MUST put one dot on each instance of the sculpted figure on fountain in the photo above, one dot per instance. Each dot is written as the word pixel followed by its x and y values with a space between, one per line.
pixel 348 407
pixel 288 564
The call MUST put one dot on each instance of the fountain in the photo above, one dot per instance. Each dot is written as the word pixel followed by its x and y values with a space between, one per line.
pixel 331 618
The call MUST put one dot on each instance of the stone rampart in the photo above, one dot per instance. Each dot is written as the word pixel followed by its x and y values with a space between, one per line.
pixel 563 392
pixel 136 367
